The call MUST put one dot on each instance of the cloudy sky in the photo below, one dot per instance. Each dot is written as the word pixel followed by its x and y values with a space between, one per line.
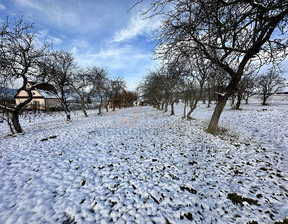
pixel 99 32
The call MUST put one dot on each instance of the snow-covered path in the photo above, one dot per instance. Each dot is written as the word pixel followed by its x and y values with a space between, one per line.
pixel 139 165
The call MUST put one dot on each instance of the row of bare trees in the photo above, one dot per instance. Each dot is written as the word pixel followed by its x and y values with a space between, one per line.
pixel 25 58
pixel 203 82
pixel 229 36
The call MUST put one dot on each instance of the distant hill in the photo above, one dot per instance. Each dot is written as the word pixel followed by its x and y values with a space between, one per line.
pixel 74 97
pixel 284 90
pixel 7 93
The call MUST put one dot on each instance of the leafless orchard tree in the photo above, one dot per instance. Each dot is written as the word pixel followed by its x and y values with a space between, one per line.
pixel 107 93
pixel 268 84
pixel 98 77
pixel 152 89
pixel 160 87
pixel 181 77
pixel 5 97
pixel 230 34
pixel 250 90
pixel 19 56
pixel 170 78
pixel 118 85
pixel 245 88
pixel 79 81
pixel 129 98
pixel 187 89
pixel 217 80
pixel 61 67
pixel 200 71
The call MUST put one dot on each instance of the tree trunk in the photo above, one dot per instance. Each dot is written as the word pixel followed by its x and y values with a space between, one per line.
pixel 65 105
pixel 15 111
pixel 67 112
pixel 83 107
pixel 6 117
pixel 185 105
pixel 166 106
pixel 158 106
pixel 209 96
pixel 68 117
pixel 209 102
pixel 222 100
pixel 162 106
pixel 100 106
pixel 194 102
pixel 16 123
pixel 212 128
pixel 9 124
pixel 264 100
pixel 85 113
pixel 246 100
pixel 239 98
pixel 232 101
pixel 172 108
pixel 193 105
pixel 99 109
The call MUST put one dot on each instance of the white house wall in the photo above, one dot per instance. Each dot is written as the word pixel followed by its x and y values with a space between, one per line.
pixel 32 103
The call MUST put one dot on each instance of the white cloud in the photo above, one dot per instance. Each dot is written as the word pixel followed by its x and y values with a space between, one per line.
pixel 29 4
pixel 136 26
pixel 44 34
pixel 81 44
pixel 126 61
pixel 56 40
pixel 60 13
pixel 2 7
pixel 74 50
pixel 95 32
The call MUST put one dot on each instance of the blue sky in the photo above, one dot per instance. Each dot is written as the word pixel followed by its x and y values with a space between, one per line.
pixel 98 32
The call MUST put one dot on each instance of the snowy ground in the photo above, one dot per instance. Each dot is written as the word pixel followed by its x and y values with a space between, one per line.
pixel 139 165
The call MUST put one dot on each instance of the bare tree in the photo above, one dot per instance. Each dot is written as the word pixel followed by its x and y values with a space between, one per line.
pixel 245 88
pixel 173 71
pixel 160 86
pixel 107 93
pixel 62 66
pixel 118 85
pixel 199 71
pixel 6 98
pixel 187 90
pixel 79 81
pixel 98 77
pixel 230 34
pixel 152 88
pixel 269 83
pixel 19 56
pixel 129 98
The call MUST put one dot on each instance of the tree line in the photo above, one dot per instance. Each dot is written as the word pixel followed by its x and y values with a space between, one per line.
pixel 164 87
pixel 213 49
pixel 24 57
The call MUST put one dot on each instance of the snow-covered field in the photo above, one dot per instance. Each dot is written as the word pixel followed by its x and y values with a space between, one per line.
pixel 140 165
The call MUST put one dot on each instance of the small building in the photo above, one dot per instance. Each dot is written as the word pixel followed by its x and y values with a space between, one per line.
pixel 42 99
